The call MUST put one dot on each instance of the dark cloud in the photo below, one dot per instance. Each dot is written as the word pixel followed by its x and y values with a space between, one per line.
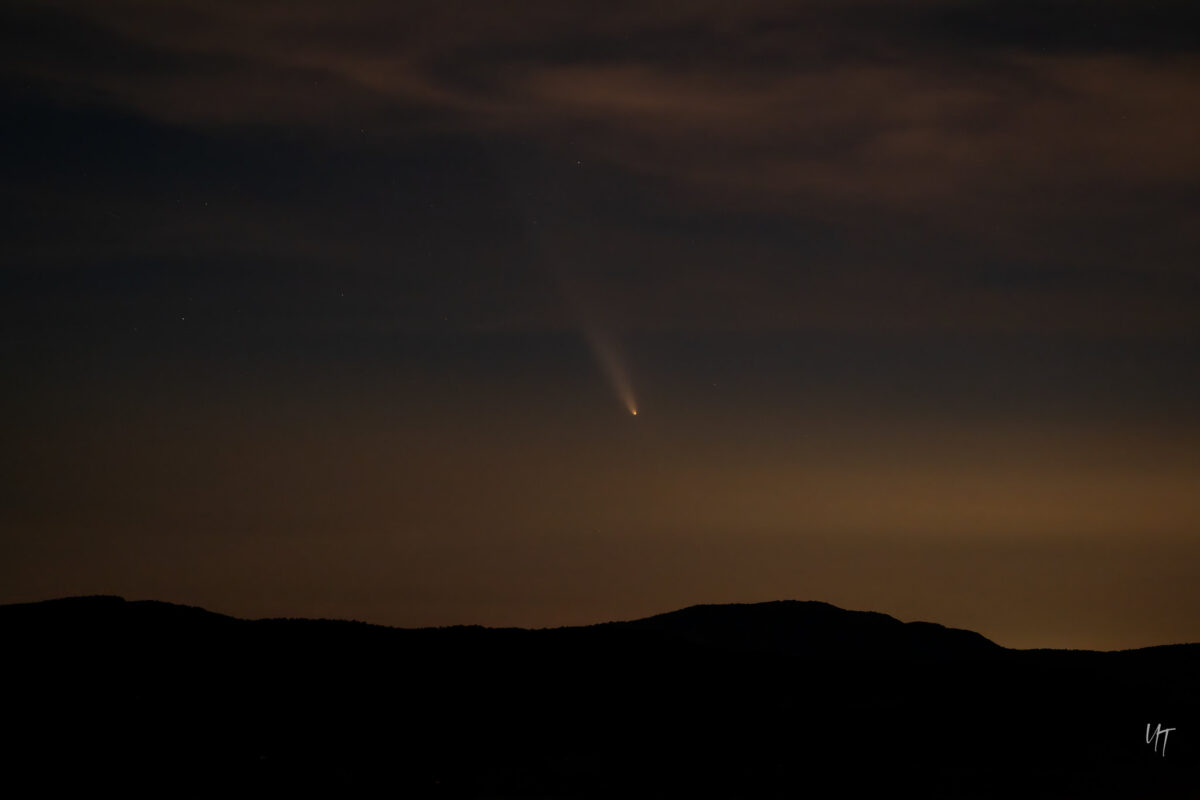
pixel 1067 26
pixel 909 144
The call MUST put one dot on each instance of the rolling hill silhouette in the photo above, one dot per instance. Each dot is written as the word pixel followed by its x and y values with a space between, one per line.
pixel 766 699
pixel 813 630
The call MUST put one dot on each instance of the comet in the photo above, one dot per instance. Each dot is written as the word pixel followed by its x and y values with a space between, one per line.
pixel 611 364
pixel 555 236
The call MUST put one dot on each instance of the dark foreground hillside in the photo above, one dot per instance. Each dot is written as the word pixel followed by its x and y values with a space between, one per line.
pixel 776 699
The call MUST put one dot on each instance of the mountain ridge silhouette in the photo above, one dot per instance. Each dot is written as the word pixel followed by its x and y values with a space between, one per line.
pixel 718 624
pixel 754 699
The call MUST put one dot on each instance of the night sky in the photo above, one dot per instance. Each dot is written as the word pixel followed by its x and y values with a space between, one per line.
pixel 339 309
